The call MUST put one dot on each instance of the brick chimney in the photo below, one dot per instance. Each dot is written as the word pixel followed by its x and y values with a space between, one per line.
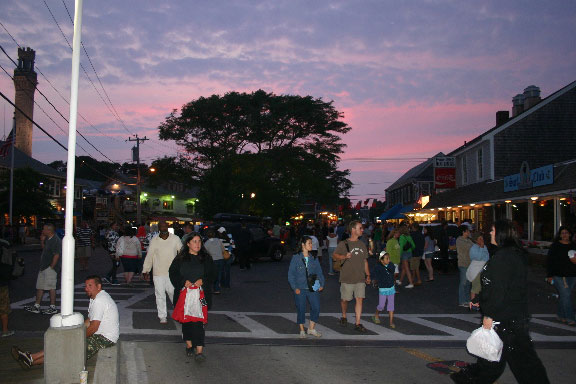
pixel 502 117
pixel 517 104
pixel 531 96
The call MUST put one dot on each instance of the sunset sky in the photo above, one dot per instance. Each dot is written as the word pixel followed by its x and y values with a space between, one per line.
pixel 412 78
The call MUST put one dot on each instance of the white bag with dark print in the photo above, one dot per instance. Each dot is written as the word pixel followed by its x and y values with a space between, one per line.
pixel 485 343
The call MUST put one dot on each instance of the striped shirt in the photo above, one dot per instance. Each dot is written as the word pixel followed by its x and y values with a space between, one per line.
pixel 84 237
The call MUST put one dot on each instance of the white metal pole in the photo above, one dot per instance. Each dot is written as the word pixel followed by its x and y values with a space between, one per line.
pixel 67 296
pixel 12 150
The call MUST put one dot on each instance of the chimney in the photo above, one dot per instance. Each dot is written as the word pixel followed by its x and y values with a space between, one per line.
pixel 531 96
pixel 502 117
pixel 517 104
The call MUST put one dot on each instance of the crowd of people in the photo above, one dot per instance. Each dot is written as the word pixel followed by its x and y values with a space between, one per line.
pixel 492 271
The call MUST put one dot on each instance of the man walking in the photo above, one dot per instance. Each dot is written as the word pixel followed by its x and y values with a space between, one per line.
pixel 102 325
pixel 162 250
pixel 354 273
pixel 463 245
pixel 49 265
pixel 84 244
pixel 112 237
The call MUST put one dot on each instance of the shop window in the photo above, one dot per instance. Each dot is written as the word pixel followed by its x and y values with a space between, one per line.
pixel 568 212
pixel 480 222
pixel 520 219
pixel 544 220
pixel 168 205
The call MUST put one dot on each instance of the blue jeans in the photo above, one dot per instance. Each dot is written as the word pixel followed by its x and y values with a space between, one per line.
pixel 220 266
pixel 313 299
pixel 565 308
pixel 330 261
pixel 464 287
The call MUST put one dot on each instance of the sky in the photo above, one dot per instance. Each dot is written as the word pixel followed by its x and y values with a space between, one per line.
pixel 412 78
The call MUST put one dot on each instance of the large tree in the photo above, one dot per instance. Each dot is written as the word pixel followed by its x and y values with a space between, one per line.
pixel 284 149
pixel 30 197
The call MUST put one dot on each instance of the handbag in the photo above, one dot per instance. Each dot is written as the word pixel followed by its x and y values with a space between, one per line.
pixel 337 264
pixel 191 306
pixel 485 343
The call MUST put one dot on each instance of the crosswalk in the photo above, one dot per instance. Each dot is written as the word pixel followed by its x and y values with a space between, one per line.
pixel 138 317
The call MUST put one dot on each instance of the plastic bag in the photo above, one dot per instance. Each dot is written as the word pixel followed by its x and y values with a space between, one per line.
pixel 485 343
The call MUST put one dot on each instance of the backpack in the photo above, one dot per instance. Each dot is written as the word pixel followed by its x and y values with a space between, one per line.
pixel 12 262
pixel 337 264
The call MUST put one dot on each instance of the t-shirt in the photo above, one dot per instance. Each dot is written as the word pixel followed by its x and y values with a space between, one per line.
pixel 352 271
pixel 332 241
pixel 52 246
pixel 315 243
pixel 83 237
pixel 104 309
pixel 214 248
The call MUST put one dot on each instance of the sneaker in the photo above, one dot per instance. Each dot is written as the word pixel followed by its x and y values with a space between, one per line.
pixel 105 281
pixel 7 333
pixel 392 325
pixel 23 358
pixel 398 282
pixel 190 351
pixel 409 286
pixel 51 310
pixel 376 320
pixel 343 321
pixel 314 333
pixel 360 328
pixel 163 321
pixel 302 334
pixel 32 308
pixel 200 358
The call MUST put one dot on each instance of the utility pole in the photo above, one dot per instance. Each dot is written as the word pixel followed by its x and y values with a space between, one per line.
pixel 136 155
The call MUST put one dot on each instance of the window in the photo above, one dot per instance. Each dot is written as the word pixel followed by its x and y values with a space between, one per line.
pixel 464 171
pixel 54 187
pixel 168 205
pixel 480 164
pixel 189 208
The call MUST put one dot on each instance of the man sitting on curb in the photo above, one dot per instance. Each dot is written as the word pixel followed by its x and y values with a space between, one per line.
pixel 102 326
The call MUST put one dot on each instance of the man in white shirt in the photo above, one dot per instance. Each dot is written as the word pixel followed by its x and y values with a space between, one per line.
pixel 102 325
pixel 162 250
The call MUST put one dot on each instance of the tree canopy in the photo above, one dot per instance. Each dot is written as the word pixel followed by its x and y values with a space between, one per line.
pixel 30 197
pixel 284 149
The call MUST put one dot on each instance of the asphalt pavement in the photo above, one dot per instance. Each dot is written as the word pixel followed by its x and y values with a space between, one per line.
pixel 252 335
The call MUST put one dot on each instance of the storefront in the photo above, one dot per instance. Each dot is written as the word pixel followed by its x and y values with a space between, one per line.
pixel 537 209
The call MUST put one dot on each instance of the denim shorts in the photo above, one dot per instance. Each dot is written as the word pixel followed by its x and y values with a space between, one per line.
pixel 406 256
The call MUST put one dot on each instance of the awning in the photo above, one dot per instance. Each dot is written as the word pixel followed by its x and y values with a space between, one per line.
pixel 396 212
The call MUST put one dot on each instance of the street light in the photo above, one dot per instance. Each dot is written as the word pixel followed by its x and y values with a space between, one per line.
pixel 252 195
pixel 152 169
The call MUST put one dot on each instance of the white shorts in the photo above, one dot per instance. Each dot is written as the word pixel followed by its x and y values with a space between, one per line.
pixel 47 279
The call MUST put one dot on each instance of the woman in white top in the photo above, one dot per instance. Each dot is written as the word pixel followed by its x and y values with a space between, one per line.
pixel 129 251
pixel 332 240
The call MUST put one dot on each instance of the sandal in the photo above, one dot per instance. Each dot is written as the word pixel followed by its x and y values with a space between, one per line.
pixel 360 328
pixel 343 321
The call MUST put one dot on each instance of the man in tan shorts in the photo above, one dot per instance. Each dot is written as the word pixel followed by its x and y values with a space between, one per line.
pixel 354 273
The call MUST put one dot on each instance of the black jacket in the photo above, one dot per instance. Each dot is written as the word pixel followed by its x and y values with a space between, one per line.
pixel 192 269
pixel 383 275
pixel 504 285
pixel 558 262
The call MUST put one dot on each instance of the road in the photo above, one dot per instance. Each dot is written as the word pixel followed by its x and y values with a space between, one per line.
pixel 252 333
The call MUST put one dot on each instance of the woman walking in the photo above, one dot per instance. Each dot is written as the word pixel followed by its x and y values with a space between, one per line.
pixel 193 267
pixel 429 250
pixel 504 306
pixel 406 247
pixel 562 271
pixel 129 250
pixel 393 249
pixel 307 281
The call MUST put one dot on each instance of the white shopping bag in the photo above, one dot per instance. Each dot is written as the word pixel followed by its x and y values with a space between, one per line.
pixel 192 305
pixel 485 343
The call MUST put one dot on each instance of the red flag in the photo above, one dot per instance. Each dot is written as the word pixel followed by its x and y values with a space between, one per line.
pixel 366 201
pixel 374 204
pixel 359 205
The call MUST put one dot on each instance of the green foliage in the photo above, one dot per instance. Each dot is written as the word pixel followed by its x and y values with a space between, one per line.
pixel 171 169
pixel 285 149
pixel 89 168
pixel 30 198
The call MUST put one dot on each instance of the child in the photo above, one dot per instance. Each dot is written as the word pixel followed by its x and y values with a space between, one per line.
pixel 383 274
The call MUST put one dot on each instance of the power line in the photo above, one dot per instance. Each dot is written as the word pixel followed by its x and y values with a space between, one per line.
pixel 33 122
pixel 61 115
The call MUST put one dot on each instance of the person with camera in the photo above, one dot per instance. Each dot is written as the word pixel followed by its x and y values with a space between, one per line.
pixel 307 281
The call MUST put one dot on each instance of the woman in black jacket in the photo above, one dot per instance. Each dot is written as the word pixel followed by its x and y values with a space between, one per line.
pixel 504 300
pixel 193 266
pixel 562 271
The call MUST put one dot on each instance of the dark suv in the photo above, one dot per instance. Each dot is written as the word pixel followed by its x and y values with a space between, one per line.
pixel 262 244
